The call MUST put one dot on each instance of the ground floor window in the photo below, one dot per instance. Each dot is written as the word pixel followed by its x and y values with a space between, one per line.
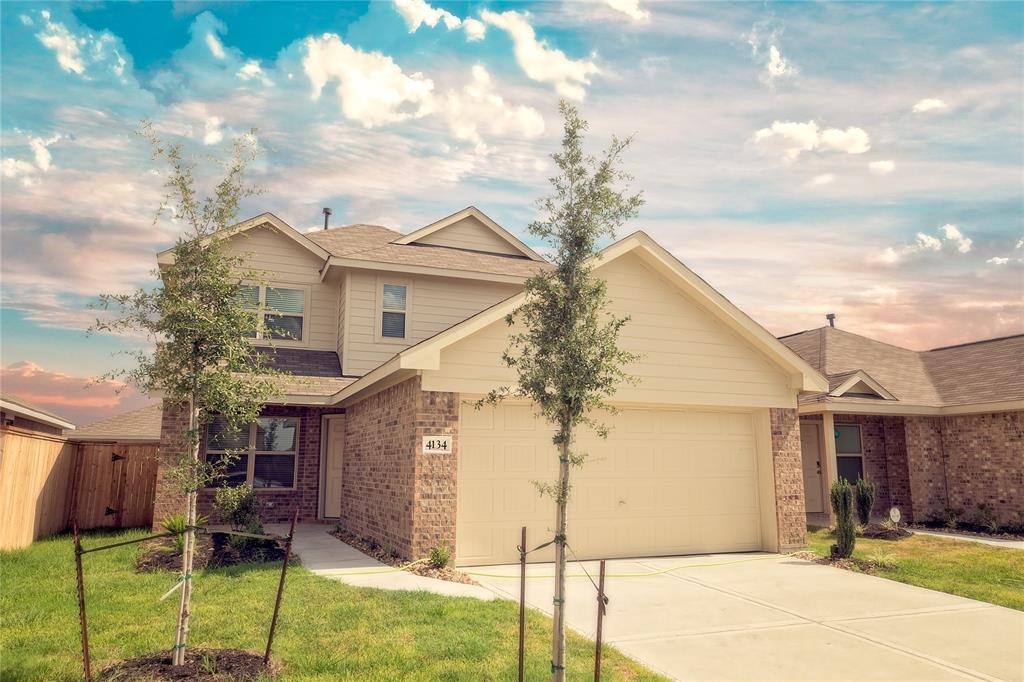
pixel 262 454
pixel 849 452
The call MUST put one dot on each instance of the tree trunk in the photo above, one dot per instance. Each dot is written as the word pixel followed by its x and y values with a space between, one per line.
pixel 188 554
pixel 558 610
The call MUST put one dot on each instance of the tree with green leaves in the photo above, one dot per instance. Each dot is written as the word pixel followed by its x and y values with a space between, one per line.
pixel 564 348
pixel 196 317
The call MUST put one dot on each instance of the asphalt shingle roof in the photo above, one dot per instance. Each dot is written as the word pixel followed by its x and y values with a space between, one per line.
pixel 984 371
pixel 140 425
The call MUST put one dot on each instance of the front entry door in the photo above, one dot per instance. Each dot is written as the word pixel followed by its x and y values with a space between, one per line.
pixel 810 445
pixel 333 435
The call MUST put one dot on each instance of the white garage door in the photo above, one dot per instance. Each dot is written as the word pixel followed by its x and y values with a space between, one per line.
pixel 665 482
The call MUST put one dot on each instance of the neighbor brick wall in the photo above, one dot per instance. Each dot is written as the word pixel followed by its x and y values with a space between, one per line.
pixel 392 492
pixel 789 482
pixel 278 505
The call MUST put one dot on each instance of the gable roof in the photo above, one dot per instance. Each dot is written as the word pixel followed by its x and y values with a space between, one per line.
pixel 166 256
pixel 981 373
pixel 426 355
pixel 138 426
pixel 25 409
pixel 474 212
pixel 841 384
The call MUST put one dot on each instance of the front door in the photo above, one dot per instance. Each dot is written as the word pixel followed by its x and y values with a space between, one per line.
pixel 810 445
pixel 333 434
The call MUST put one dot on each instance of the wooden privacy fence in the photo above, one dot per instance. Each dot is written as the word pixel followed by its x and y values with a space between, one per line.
pixel 46 481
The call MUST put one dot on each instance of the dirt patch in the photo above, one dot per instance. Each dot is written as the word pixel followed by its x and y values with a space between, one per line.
pixel 212 551
pixel 423 568
pixel 210 665
pixel 876 531
pixel 973 532
pixel 850 564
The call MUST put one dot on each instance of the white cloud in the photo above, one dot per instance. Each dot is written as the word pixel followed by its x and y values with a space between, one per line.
pixel 212 130
pixel 64 44
pixel 823 179
pixel 251 70
pixel 216 47
pixel 794 138
pixel 41 152
pixel 776 66
pixel 1020 244
pixel 26 20
pixel 478 108
pixel 28 171
pixel 954 235
pixel 16 168
pixel 540 62
pixel 882 167
pixel 418 12
pixel 949 235
pixel 475 29
pixel 372 88
pixel 929 104
pixel 630 8
pixel 998 260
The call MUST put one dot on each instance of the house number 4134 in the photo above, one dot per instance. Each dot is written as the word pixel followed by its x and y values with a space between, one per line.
pixel 437 445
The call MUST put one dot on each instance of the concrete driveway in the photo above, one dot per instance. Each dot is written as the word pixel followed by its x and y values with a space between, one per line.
pixel 767 617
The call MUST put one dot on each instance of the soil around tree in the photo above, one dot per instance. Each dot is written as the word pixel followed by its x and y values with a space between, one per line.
pixel 213 550
pixel 850 563
pixel 372 549
pixel 209 665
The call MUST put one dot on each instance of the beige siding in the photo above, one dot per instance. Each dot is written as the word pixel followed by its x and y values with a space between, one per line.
pixel 342 295
pixel 470 233
pixel 689 357
pixel 435 304
pixel 282 261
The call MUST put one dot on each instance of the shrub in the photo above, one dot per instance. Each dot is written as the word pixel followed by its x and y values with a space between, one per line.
pixel 177 524
pixel 1016 525
pixel 239 506
pixel 865 500
pixel 440 556
pixel 986 518
pixel 889 524
pixel 884 561
pixel 842 504
pixel 951 517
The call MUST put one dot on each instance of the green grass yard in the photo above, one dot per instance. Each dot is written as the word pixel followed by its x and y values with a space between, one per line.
pixel 328 630
pixel 968 569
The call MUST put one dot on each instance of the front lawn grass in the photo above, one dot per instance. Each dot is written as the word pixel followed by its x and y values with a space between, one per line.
pixel 968 569
pixel 327 630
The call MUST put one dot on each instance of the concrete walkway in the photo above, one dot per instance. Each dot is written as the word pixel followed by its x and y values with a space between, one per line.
pixel 327 556
pixel 767 617
pixel 995 542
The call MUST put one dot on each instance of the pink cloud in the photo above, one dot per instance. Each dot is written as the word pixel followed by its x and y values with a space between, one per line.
pixel 81 400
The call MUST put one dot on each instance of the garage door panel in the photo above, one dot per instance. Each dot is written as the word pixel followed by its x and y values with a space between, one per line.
pixel 664 482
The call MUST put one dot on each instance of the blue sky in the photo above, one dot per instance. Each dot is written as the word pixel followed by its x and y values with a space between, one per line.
pixel 862 158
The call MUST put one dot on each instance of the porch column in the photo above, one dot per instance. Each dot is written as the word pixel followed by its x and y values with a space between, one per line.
pixel 830 468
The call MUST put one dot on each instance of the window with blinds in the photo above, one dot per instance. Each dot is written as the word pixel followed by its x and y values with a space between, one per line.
pixel 262 454
pixel 393 310
pixel 280 312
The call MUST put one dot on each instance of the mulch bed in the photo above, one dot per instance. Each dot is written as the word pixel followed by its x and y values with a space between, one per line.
pixel 210 665
pixel 970 532
pixel 212 551
pixel 377 552
pixel 851 564
pixel 876 531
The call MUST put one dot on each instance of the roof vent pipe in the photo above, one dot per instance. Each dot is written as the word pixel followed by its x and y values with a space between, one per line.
pixel 327 216
pixel 831 317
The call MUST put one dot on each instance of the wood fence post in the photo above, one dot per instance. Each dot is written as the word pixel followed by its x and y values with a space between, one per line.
pixel 601 602
pixel 81 606
pixel 522 603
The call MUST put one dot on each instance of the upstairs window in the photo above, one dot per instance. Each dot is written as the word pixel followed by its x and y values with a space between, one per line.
pixel 393 310
pixel 280 312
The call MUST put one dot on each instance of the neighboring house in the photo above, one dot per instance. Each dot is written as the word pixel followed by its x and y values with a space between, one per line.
pixel 21 414
pixel 137 426
pixel 390 338
pixel 935 430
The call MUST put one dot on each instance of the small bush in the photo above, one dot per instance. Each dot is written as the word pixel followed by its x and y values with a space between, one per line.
pixel 177 524
pixel 1016 525
pixel 884 561
pixel 865 500
pixel 842 504
pixel 239 506
pixel 440 556
pixel 889 524
pixel 951 517
pixel 986 518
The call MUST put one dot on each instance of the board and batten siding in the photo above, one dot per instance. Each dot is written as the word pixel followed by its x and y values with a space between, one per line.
pixel 434 304
pixel 281 261
pixel 470 233
pixel 688 356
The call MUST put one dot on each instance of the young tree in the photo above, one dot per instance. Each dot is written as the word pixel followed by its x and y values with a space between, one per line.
pixel 196 318
pixel 565 351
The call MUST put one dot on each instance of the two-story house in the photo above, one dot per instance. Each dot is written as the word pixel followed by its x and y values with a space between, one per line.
pixel 389 338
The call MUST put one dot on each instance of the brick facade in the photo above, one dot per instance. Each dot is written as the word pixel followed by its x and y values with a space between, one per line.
pixel 392 492
pixel 924 464
pixel 789 482
pixel 278 505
